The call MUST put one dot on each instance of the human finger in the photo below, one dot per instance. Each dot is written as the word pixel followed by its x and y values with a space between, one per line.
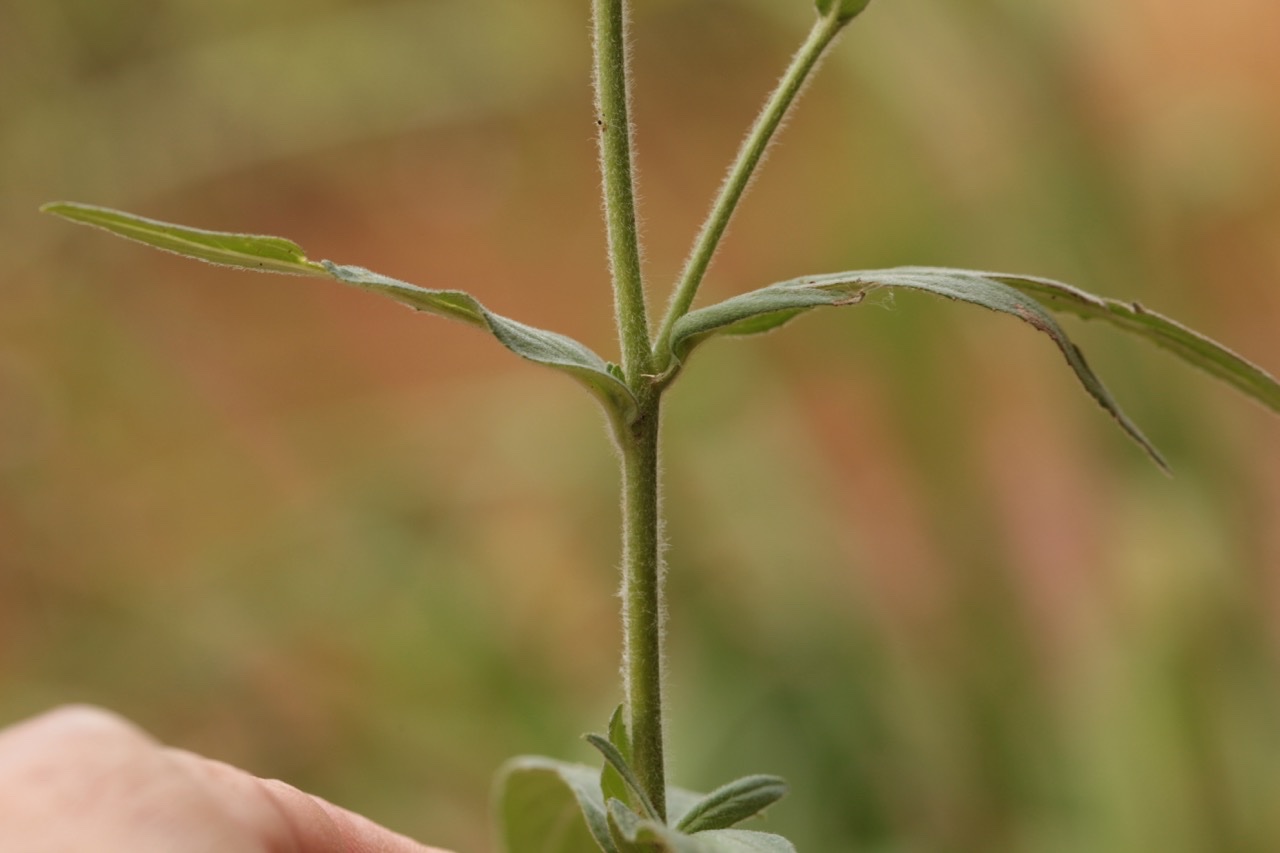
pixel 291 820
pixel 322 827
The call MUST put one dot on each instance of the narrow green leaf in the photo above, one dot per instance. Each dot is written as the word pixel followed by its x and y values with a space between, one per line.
pixel 618 735
pixel 537 345
pixel 246 251
pixel 1188 344
pixel 770 307
pixel 615 759
pixel 733 803
pixel 680 801
pixel 275 254
pixel 611 781
pixel 548 806
pixel 634 834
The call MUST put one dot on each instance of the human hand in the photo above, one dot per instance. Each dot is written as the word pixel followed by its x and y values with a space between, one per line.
pixel 80 779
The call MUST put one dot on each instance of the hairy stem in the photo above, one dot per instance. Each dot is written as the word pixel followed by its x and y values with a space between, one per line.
pixel 611 87
pixel 749 155
pixel 642 604
pixel 642 600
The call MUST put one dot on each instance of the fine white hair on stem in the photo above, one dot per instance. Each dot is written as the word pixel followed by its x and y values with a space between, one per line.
pixel 772 143
pixel 751 153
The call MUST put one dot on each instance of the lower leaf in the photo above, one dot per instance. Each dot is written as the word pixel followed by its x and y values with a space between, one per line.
pixel 733 803
pixel 549 806
pixel 634 834
pixel 735 841
pixel 612 785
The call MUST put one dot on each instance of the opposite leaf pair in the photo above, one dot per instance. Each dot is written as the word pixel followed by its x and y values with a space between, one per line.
pixel 1028 298
pixel 554 807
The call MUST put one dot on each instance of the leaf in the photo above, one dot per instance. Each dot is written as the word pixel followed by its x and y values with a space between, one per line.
pixel 548 806
pixel 735 841
pixel 615 760
pixel 246 251
pixel 611 782
pixel 1187 344
pixel 625 827
pixel 536 345
pixel 275 254
pixel 770 307
pixel 733 803
pixel 847 10
pixel 680 801
pixel 637 835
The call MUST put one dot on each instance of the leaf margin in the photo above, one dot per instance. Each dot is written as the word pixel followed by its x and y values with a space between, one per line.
pixel 734 802
pixel 634 834
pixel 253 252
pixel 1195 348
pixel 770 307
pixel 580 783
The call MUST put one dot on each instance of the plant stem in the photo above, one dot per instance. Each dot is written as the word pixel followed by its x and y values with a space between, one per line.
pixel 749 155
pixel 642 604
pixel 643 608
pixel 611 87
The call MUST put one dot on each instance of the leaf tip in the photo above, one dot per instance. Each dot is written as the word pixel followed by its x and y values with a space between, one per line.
pixel 59 208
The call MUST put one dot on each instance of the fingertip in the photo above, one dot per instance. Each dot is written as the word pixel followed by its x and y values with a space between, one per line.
pixel 79 721
pixel 321 827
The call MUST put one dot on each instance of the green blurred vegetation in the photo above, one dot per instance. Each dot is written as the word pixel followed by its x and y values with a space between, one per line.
pixel 912 568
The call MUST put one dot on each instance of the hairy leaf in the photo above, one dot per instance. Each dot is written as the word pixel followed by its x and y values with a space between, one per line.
pixel 615 760
pixel 537 345
pixel 611 782
pixel 634 834
pixel 246 251
pixel 733 841
pixel 680 801
pixel 770 307
pixel 275 254
pixel 548 806
pixel 733 803
pixel 625 827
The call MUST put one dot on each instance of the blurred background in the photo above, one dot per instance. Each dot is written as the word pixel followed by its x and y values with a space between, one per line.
pixel 913 568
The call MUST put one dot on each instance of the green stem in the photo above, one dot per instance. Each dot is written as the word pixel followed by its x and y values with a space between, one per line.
pixel 643 608
pixel 611 86
pixel 753 147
